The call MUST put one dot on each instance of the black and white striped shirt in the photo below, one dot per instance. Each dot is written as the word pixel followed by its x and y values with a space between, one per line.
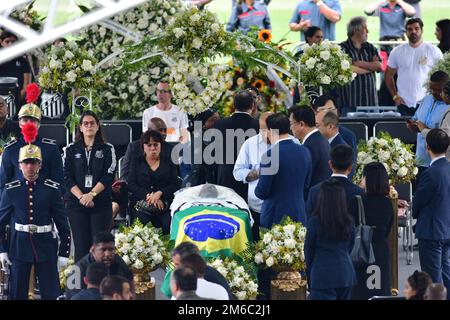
pixel 362 91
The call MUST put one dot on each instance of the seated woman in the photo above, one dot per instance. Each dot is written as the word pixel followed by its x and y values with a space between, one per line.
pixel 152 179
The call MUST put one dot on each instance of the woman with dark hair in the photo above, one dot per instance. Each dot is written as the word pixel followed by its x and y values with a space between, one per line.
pixel 89 168
pixel 417 285
pixel 443 34
pixel 379 213
pixel 329 241
pixel 153 179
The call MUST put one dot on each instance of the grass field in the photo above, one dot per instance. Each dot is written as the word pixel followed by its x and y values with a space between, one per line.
pixel 282 10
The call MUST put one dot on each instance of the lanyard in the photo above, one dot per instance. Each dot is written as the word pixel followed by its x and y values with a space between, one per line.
pixel 88 158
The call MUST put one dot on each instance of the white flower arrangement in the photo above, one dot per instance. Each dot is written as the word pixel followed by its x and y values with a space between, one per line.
pixel 325 65
pixel 68 66
pixel 396 156
pixel 282 246
pixel 242 283
pixel 196 87
pixel 141 247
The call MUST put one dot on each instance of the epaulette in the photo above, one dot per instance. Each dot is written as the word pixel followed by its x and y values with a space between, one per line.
pixel 48 141
pixel 51 184
pixel 10 143
pixel 13 184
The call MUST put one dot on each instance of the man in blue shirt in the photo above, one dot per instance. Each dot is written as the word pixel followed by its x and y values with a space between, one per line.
pixel 321 13
pixel 429 115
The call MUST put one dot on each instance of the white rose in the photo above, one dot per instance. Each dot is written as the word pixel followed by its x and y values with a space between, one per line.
pixel 345 64
pixel 132 89
pixel 138 264
pixel 102 31
pixel 178 32
pixel 71 76
pixel 310 63
pixel 289 243
pixel 269 262
pixel 289 229
pixel 53 64
pixel 384 155
pixel 197 43
pixel 240 295
pixel 196 17
pixel 68 55
pixel 402 172
pixel 288 258
pixel 415 170
pixel 267 238
pixel 153 27
pixel 325 55
pixel 215 27
pixel 325 79
pixel 126 259
pixel 259 258
pixel 87 65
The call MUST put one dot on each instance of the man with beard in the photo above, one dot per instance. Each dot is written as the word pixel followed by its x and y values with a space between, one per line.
pixel 103 250
pixel 413 61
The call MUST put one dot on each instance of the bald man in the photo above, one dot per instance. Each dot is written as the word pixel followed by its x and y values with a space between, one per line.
pixel 246 168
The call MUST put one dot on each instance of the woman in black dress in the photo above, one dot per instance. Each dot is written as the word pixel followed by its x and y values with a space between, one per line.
pixel 379 214
pixel 154 179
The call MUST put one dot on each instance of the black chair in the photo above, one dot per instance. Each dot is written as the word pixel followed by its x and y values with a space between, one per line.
pixel 358 128
pixel 56 132
pixel 397 129
pixel 405 223
pixel 119 135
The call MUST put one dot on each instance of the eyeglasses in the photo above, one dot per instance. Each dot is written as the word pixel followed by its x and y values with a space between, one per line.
pixel 88 123
pixel 162 91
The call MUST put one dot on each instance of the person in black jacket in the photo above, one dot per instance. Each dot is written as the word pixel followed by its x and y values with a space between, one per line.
pixel 242 126
pixel 154 179
pixel 89 167
pixel 379 213
pixel 95 273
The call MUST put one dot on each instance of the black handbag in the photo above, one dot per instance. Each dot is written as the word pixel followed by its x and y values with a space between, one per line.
pixel 143 207
pixel 362 253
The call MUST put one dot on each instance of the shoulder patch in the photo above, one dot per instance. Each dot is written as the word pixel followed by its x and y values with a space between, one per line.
pixel 51 184
pixel 48 141
pixel 13 184
pixel 10 143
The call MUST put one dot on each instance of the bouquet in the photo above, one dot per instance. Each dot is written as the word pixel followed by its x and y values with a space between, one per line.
pixel 396 156
pixel 141 247
pixel 68 66
pixel 242 282
pixel 66 272
pixel 282 246
pixel 28 16
pixel 325 65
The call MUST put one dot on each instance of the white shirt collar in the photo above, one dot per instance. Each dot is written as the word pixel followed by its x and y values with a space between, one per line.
pixel 333 137
pixel 309 134
pixel 436 159
pixel 242 112
pixel 339 175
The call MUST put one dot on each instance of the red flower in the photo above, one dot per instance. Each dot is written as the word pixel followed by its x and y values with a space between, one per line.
pixel 29 132
pixel 272 84
pixel 33 92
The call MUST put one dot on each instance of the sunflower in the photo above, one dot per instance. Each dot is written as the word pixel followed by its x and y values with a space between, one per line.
pixel 265 35
pixel 259 84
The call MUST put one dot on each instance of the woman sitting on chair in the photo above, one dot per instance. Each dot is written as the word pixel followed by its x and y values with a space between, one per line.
pixel 154 180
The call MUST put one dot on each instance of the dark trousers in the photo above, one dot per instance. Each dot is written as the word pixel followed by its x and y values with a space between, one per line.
pixel 47 274
pixel 405 110
pixel 343 293
pixel 85 224
pixel 264 278
pixel 255 227
pixel 158 220
pixel 434 256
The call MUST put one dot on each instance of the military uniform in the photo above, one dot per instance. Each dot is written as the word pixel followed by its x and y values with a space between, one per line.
pixel 32 209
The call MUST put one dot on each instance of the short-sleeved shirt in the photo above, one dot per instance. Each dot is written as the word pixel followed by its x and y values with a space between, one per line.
pixel 413 66
pixel 174 118
pixel 308 10
pixel 362 90
pixel 15 68
pixel 392 20
pixel 249 16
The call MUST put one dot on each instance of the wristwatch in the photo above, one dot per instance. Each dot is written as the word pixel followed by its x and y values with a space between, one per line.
pixel 394 97
pixel 93 193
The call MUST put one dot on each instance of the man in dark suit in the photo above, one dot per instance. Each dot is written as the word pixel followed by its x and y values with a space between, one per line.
pixel 431 208
pixel 234 131
pixel 284 175
pixel 303 126
pixel 341 164
pixel 95 273
pixel 329 128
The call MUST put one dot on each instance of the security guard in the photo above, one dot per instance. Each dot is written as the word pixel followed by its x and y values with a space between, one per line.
pixel 52 166
pixel 248 13
pixel 32 205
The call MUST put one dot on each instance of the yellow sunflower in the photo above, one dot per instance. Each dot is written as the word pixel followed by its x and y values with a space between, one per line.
pixel 259 84
pixel 265 35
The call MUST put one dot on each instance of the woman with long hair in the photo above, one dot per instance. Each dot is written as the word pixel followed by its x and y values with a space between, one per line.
pixel 89 167
pixel 329 241
pixel 379 213
pixel 416 285
pixel 443 34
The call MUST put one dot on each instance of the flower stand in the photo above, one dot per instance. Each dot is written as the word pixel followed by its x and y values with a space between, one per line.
pixel 288 286
pixel 144 286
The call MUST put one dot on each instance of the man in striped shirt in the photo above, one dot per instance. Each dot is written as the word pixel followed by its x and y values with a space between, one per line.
pixel 362 90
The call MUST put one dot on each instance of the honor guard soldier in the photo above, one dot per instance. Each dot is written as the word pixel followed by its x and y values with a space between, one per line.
pixel 52 166
pixel 32 206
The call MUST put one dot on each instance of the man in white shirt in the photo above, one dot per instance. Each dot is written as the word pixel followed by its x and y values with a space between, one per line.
pixel 176 120
pixel 412 61
pixel 246 169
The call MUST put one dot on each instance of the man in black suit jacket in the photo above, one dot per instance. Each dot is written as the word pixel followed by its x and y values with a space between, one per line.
pixel 303 126
pixel 341 165
pixel 431 208
pixel 329 128
pixel 234 131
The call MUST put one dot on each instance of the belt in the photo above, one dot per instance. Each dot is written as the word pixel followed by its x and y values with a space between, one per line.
pixel 32 228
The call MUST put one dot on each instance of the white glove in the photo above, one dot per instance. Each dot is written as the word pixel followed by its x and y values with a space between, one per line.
pixel 62 263
pixel 5 260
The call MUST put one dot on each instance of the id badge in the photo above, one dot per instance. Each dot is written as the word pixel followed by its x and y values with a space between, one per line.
pixel 88 181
